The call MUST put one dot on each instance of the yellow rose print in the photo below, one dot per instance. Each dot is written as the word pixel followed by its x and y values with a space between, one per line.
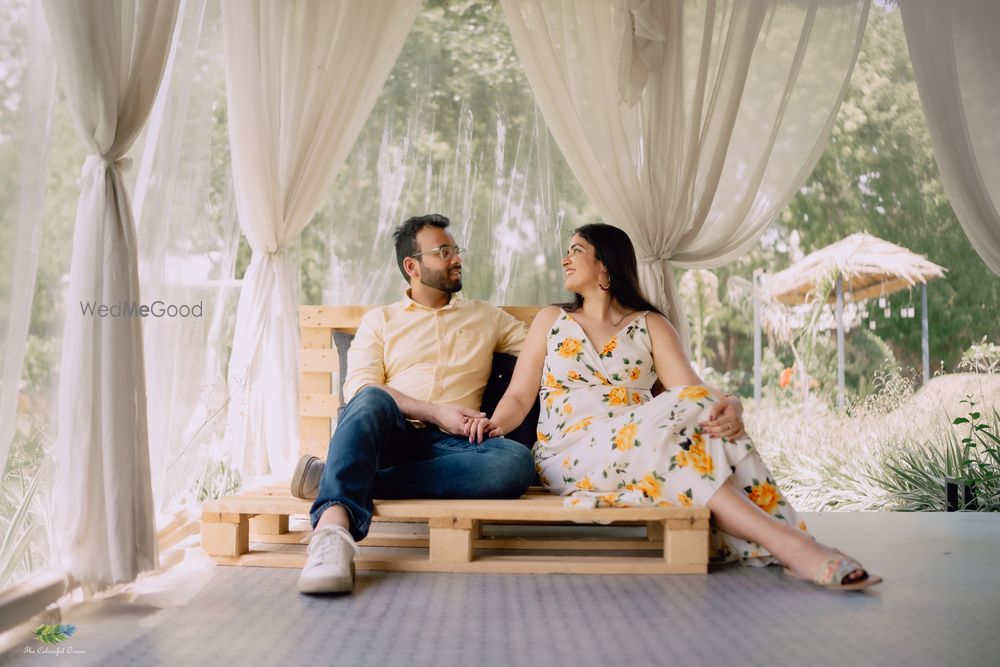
pixel 701 460
pixel 684 499
pixel 650 486
pixel 625 437
pixel 610 499
pixel 609 347
pixel 568 408
pixel 565 463
pixel 636 397
pixel 765 495
pixel 665 503
pixel 600 376
pixel 570 347
pixel 802 527
pixel 681 459
pixel 634 373
pixel 573 375
pixel 618 396
pixel 578 426
pixel 551 381
pixel 585 484
pixel 693 393
pixel 542 437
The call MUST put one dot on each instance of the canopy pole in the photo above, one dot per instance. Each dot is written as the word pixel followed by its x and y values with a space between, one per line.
pixel 840 340
pixel 924 337
pixel 756 335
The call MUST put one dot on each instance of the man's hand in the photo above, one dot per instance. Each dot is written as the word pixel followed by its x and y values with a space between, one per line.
pixel 454 419
pixel 725 420
pixel 481 428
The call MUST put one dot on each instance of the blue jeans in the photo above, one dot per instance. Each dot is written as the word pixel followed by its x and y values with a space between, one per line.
pixel 376 453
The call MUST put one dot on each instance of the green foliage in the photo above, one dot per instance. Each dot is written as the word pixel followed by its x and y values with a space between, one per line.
pixel 981 357
pixel 20 530
pixel 878 174
pixel 914 477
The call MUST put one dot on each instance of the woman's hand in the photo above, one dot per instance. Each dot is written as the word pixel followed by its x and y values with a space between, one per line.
pixel 725 419
pixel 481 428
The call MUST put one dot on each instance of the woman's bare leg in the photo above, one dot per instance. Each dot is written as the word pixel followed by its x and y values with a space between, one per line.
pixel 736 514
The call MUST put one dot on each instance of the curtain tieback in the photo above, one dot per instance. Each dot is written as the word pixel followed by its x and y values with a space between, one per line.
pixel 95 163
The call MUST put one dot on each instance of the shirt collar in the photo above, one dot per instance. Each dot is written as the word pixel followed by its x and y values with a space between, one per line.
pixel 410 304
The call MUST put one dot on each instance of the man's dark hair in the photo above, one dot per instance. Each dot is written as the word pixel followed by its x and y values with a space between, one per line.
pixel 405 236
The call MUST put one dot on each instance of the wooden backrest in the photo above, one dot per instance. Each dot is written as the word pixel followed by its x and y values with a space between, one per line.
pixel 319 364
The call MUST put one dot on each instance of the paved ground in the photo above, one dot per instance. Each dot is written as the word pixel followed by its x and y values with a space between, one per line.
pixel 939 605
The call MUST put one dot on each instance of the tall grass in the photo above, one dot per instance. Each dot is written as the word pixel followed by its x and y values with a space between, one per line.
pixel 893 450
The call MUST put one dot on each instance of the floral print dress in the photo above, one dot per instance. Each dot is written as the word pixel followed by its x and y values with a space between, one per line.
pixel 604 441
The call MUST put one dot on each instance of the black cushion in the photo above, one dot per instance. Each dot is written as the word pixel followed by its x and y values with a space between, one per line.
pixel 500 374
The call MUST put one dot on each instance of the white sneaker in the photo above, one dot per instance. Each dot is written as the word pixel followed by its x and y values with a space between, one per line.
pixel 330 566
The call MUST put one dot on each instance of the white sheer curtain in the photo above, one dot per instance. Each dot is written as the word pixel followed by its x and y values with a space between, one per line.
pixel 690 125
pixel 110 58
pixel 956 62
pixel 21 225
pixel 188 238
pixel 301 78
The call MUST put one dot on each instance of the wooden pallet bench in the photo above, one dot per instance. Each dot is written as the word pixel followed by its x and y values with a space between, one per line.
pixel 527 535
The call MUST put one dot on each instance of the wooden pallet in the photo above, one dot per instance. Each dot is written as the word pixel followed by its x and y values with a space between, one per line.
pixel 446 535
pixel 252 530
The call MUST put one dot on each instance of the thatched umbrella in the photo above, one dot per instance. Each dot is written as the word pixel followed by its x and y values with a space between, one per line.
pixel 862 265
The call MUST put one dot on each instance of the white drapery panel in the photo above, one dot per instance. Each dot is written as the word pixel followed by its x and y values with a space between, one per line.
pixel 690 125
pixel 956 63
pixel 22 226
pixel 301 78
pixel 110 58
pixel 188 238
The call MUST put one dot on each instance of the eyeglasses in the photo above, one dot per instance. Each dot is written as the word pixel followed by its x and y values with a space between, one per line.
pixel 445 252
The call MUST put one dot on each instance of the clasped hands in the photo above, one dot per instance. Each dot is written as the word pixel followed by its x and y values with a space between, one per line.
pixel 465 421
pixel 725 420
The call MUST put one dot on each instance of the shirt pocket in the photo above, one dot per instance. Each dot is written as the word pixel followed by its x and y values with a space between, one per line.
pixel 471 349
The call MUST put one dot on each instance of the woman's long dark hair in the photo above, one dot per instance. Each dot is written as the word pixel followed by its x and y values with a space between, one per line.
pixel 614 248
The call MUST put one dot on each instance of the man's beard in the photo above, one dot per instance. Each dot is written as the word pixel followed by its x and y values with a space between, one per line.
pixel 441 280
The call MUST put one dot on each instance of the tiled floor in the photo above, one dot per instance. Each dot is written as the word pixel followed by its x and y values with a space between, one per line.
pixel 939 605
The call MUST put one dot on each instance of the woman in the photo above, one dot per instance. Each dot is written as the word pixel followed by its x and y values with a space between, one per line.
pixel 603 440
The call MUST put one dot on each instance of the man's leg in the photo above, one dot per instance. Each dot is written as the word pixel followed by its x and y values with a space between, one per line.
pixel 452 467
pixel 370 427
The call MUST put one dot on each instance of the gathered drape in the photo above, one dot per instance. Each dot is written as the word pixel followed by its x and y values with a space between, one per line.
pixel 110 59
pixel 301 78
pixel 689 125
pixel 956 63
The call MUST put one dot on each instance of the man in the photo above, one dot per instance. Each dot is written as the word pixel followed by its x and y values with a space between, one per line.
pixel 417 372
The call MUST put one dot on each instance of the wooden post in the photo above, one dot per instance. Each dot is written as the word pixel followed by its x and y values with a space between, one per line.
pixel 451 539
pixel 270 524
pixel 756 335
pixel 225 533
pixel 654 531
pixel 924 337
pixel 686 542
pixel 840 340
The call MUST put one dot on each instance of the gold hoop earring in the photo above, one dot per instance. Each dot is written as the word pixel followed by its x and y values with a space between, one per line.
pixel 605 287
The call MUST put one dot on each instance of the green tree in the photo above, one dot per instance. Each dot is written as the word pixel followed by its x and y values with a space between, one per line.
pixel 878 175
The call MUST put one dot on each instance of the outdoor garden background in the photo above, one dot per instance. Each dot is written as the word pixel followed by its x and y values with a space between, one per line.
pixel 456 132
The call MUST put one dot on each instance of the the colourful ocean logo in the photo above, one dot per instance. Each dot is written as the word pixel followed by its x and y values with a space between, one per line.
pixel 53 634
